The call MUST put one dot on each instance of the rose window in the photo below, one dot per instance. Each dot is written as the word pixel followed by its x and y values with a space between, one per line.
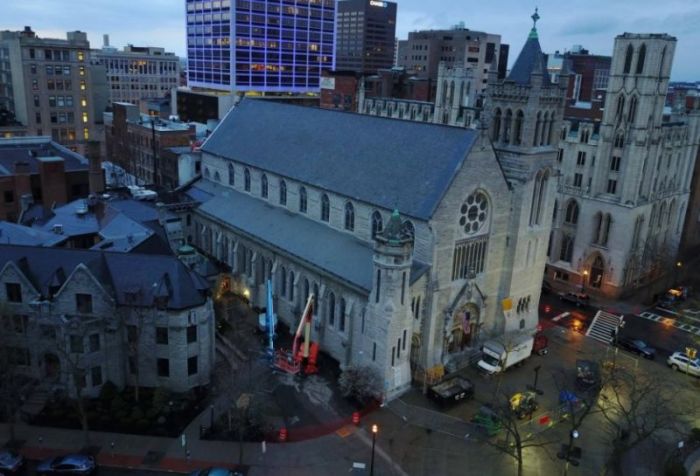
pixel 473 213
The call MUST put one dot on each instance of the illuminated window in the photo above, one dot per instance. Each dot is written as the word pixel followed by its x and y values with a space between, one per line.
pixel 81 56
pixel 82 85
pixel 82 71
pixel 85 117
pixel 83 102
pixel 86 133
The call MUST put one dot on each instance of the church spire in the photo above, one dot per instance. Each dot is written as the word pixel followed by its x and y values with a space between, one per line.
pixel 535 16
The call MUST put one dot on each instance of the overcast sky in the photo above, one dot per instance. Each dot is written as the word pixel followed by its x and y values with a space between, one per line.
pixel 591 23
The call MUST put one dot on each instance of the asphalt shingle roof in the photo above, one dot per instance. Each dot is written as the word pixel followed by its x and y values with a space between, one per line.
pixel 386 162
pixel 119 273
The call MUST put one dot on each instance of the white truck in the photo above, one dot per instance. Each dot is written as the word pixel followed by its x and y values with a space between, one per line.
pixel 499 355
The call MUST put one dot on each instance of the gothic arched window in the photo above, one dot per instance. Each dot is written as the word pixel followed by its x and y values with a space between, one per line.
pixel 306 290
pixel 567 248
pixel 231 175
pixel 291 286
pixel 331 309
pixel 518 128
pixel 349 216
pixel 246 180
pixel 538 198
pixel 571 213
pixel 632 112
pixel 302 199
pixel 283 282
pixel 628 59
pixel 496 125
pixel 217 176
pixel 377 223
pixel 263 186
pixel 641 55
pixel 507 126
pixel 283 192
pixel 325 208
pixel 408 228
pixel 620 140
pixel 620 107
pixel 341 316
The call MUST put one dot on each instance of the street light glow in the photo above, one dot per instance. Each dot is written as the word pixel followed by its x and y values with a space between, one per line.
pixel 375 429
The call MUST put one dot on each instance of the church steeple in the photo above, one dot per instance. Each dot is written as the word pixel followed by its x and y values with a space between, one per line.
pixel 531 60
pixel 535 16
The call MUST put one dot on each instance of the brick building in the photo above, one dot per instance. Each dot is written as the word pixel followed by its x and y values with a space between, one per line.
pixel 38 170
pixel 136 142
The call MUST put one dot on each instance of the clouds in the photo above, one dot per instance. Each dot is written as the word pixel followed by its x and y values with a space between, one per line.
pixel 591 23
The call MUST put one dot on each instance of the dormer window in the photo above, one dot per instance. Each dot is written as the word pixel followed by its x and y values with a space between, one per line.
pixel 83 303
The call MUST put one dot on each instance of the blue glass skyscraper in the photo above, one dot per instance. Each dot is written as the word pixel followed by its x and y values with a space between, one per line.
pixel 267 46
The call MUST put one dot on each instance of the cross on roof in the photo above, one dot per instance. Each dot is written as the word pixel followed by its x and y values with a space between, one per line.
pixel 535 16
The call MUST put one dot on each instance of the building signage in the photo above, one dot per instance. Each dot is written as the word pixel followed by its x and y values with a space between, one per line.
pixel 377 3
pixel 327 83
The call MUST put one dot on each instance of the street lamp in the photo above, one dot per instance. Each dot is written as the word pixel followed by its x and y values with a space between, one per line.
pixel 583 279
pixel 375 430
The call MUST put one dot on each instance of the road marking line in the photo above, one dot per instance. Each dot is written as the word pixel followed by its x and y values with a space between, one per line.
pixel 561 316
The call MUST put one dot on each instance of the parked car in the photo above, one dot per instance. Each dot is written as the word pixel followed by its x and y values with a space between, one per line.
pixel 681 362
pixel 579 299
pixel 637 346
pixel 587 374
pixel 68 464
pixel 216 472
pixel 10 462
pixel 673 296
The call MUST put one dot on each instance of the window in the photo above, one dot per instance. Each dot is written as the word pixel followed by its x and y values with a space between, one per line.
pixel 615 163
pixel 612 186
pixel 162 335
pixel 163 366
pixel 94 342
pixel 641 55
pixel 567 248
pixel 76 344
pixel 628 59
pixel 379 285
pixel 341 316
pixel 192 366
pixel 581 158
pixel 560 155
pixel 377 224
pixel 349 216
pixel 283 192
pixel 538 197
pixel 82 85
pixel 19 323
pixel 96 376
pixel 217 176
pixel 325 208
pixel 331 309
pixel 291 286
pixel 191 334
pixel 571 213
pixel 578 179
pixel 246 180
pixel 263 186
pixel 283 279
pixel 620 140
pixel 631 114
pixel 403 287
pixel 374 351
pixel 620 107
pixel 469 257
pixel 14 292
pixel 83 303
pixel 302 199
pixel 131 334
pixel 231 175
pixel 85 117
pixel 9 196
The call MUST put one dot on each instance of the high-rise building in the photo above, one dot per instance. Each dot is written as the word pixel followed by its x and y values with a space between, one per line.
pixel 365 35
pixel 265 46
pixel 138 72
pixel 423 51
pixel 46 85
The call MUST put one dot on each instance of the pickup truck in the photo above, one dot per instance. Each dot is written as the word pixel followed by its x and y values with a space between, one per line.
pixel 451 390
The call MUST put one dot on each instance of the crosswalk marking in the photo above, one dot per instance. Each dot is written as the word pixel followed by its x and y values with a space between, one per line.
pixel 651 316
pixel 603 325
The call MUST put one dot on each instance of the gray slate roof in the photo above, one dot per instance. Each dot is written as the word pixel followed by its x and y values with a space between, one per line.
pixel 338 253
pixel 386 162
pixel 14 234
pixel 119 273
pixel 530 60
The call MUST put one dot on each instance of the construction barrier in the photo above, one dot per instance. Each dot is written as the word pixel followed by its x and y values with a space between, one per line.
pixel 356 418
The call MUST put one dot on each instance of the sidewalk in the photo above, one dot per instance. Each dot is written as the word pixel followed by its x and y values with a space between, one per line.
pixel 352 444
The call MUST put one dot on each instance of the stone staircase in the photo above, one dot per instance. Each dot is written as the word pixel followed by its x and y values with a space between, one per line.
pixel 603 325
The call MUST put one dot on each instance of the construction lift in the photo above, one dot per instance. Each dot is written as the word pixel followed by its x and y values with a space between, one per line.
pixel 304 354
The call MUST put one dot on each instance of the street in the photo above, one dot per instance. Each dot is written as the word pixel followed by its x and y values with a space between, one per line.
pixel 104 471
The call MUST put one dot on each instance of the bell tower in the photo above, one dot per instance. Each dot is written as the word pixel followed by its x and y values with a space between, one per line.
pixel 388 321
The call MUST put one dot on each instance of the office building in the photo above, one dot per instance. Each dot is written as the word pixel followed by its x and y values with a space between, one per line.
pixel 262 46
pixel 423 51
pixel 365 35
pixel 46 85
pixel 138 72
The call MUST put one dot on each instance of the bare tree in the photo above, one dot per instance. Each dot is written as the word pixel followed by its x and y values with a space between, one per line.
pixel 10 359
pixel 135 318
pixel 637 407
pixel 515 435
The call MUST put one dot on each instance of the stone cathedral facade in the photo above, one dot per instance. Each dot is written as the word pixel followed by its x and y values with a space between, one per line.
pixel 418 241
pixel 625 182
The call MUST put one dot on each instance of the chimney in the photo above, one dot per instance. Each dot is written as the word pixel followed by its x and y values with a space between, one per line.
pixel 96 175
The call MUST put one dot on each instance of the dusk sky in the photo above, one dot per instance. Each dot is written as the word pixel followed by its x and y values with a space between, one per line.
pixel 590 23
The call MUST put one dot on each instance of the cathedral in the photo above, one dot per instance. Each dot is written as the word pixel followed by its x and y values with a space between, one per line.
pixel 418 241
pixel 625 181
